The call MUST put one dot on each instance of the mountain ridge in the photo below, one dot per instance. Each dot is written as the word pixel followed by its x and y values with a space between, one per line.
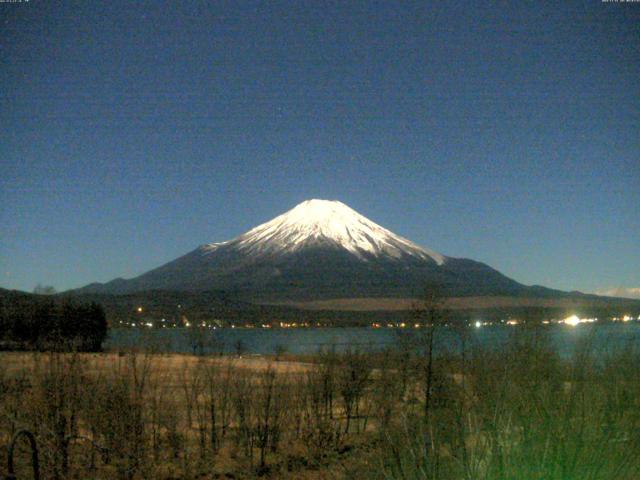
pixel 319 250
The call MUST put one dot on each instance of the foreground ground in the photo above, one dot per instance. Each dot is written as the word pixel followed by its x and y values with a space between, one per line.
pixel 522 413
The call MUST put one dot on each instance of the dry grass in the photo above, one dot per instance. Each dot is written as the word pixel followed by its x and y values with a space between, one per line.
pixel 165 364
pixel 522 413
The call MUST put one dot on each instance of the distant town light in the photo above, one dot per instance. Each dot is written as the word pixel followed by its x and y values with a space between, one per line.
pixel 139 309
pixel 478 324
pixel 573 320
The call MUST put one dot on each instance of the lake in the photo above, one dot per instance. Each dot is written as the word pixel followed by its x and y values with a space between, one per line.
pixel 603 338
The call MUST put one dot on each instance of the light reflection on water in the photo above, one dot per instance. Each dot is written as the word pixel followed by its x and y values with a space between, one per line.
pixel 603 338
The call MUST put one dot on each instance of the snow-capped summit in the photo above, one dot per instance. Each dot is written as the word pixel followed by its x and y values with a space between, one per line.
pixel 324 222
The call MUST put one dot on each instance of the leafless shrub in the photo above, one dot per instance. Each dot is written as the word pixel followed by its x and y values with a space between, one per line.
pixel 517 412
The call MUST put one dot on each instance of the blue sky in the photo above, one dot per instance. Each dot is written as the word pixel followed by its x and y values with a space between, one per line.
pixel 133 132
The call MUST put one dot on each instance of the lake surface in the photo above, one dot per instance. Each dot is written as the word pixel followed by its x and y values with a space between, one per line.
pixel 602 338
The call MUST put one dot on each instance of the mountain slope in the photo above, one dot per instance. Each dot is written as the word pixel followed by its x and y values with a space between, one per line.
pixel 320 249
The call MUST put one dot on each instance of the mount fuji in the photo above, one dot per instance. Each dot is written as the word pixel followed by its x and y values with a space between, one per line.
pixel 318 250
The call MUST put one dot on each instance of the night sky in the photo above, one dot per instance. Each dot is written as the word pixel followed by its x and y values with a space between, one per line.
pixel 133 131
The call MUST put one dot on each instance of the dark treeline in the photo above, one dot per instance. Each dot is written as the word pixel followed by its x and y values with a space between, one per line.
pixel 36 322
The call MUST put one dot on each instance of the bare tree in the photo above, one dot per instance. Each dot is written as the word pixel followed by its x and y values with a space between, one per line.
pixel 40 289
pixel 429 314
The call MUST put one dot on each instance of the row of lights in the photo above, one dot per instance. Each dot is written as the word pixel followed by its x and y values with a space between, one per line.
pixel 572 320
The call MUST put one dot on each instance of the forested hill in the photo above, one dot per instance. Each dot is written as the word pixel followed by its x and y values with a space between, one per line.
pixel 44 322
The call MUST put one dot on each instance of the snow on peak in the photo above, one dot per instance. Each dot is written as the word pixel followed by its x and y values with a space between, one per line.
pixel 321 222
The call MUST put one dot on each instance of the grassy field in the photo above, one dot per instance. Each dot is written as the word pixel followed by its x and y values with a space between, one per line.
pixel 522 413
